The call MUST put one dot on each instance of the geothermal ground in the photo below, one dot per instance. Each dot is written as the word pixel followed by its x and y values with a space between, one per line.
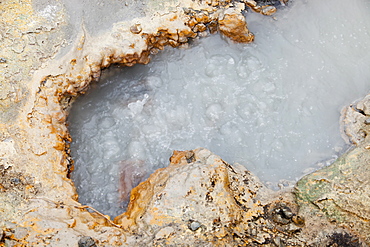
pixel 53 52
pixel 273 105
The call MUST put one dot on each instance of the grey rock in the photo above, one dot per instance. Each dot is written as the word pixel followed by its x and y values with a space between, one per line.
pixel 194 225
pixel 86 242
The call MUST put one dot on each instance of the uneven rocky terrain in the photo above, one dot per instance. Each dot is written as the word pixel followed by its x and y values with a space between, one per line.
pixel 51 51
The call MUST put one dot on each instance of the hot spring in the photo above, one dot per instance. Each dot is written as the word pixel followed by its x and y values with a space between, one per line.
pixel 273 105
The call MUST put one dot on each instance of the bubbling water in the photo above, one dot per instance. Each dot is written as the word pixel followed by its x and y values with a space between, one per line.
pixel 272 106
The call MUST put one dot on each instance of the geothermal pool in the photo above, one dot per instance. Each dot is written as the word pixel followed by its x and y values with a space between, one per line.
pixel 273 105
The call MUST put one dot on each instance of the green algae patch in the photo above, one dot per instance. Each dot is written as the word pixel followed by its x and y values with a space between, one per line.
pixel 340 191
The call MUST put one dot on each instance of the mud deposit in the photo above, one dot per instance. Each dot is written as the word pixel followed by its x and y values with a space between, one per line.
pixel 273 105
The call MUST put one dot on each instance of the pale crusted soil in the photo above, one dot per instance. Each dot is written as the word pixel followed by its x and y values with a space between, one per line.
pixel 49 56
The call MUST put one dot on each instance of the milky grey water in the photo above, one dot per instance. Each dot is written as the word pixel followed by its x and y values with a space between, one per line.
pixel 273 105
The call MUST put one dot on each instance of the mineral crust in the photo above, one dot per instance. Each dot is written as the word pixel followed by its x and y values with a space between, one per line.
pixel 51 51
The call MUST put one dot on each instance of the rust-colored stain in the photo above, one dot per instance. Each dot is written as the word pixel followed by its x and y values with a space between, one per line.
pixel 234 27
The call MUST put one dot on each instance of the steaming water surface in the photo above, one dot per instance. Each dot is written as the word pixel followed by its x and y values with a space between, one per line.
pixel 272 106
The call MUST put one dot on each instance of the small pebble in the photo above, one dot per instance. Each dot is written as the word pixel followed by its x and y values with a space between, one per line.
pixel 15 180
pixel 189 155
pixel 2 60
pixel 298 220
pixel 288 214
pixel 86 242
pixel 367 121
pixel 194 225
pixel 269 10
pixel 136 29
